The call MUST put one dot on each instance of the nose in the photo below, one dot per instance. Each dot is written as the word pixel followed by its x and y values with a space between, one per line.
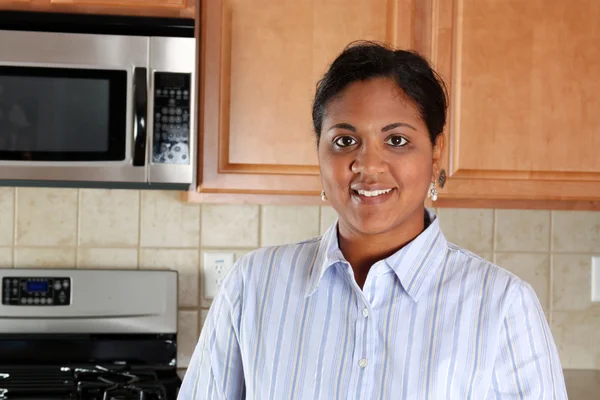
pixel 369 160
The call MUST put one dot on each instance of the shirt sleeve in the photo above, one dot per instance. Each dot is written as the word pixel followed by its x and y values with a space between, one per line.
pixel 527 364
pixel 215 371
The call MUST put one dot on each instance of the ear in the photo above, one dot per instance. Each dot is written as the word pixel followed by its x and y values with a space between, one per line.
pixel 438 153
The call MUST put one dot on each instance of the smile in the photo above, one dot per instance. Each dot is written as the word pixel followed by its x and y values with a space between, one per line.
pixel 373 193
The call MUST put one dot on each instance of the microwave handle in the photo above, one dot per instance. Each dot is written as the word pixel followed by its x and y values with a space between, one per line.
pixel 140 117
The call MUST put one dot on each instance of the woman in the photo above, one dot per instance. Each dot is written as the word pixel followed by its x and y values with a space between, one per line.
pixel 381 306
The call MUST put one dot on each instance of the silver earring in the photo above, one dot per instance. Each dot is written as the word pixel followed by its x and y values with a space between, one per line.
pixel 433 194
pixel 323 196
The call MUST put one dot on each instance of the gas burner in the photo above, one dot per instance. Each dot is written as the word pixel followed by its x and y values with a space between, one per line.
pixel 118 384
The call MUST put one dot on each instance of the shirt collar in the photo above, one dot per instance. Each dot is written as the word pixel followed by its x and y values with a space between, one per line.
pixel 412 264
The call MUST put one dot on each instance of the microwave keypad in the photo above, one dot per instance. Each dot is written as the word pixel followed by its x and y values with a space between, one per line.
pixel 171 118
pixel 34 291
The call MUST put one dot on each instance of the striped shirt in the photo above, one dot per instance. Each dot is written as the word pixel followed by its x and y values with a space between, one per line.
pixel 433 321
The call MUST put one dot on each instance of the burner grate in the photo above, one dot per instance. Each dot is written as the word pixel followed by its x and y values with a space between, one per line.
pixel 118 384
pixel 32 381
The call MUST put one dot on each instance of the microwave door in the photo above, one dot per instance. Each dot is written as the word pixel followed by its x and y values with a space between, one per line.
pixel 172 110
pixel 82 99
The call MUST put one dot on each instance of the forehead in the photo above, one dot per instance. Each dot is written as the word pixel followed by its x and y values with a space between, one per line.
pixel 377 98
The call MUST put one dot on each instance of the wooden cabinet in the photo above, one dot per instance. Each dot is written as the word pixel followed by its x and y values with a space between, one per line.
pixel 157 8
pixel 260 61
pixel 525 106
pixel 524 122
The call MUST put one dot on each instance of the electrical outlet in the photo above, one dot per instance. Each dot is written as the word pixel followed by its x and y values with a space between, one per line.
pixel 216 266
pixel 595 278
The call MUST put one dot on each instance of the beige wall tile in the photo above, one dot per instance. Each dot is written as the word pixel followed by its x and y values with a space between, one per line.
pixel 576 337
pixel 7 196
pixel 109 218
pixel 168 222
pixel 44 257
pixel 107 258
pixel 576 231
pixel 227 225
pixel 6 257
pixel 533 269
pixel 288 224
pixel 469 228
pixel 46 217
pixel 572 282
pixel 187 337
pixel 185 262
pixel 328 217
pixel 522 230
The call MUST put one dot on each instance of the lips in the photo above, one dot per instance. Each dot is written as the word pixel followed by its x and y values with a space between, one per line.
pixel 371 196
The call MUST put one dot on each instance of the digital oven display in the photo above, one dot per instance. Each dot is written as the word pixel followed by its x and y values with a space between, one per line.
pixel 37 286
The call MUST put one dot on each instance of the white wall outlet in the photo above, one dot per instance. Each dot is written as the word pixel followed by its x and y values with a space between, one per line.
pixel 596 278
pixel 216 266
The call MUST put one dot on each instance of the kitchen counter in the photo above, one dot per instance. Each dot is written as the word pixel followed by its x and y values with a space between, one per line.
pixel 582 384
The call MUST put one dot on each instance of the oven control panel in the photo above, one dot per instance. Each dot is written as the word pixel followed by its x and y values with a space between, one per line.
pixel 32 291
pixel 171 144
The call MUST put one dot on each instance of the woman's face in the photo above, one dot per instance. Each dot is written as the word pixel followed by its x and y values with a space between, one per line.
pixel 376 158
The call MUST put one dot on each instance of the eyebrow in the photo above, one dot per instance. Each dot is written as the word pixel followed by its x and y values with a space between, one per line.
pixel 386 128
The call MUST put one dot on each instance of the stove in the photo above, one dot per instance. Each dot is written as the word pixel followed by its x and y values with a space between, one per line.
pixel 88 334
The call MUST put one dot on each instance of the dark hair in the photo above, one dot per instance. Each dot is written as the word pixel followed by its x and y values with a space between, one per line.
pixel 361 61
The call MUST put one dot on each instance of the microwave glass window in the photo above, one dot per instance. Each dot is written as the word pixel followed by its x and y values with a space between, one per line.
pixel 61 114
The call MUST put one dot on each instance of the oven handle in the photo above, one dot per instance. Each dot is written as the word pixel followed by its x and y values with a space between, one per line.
pixel 140 116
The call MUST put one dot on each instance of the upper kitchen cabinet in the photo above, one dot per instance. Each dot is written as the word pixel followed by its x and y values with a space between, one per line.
pixel 155 8
pixel 524 125
pixel 260 62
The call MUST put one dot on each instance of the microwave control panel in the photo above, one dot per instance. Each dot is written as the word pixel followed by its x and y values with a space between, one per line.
pixel 32 291
pixel 171 144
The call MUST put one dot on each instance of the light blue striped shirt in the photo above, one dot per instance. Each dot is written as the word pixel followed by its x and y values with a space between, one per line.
pixel 433 321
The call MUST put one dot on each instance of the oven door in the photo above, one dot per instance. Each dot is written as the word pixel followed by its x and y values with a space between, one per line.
pixel 73 107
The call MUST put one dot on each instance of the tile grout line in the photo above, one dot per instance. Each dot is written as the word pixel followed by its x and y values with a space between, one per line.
pixel 14 238
pixel 494 234
pixel 551 273
pixel 139 241
pixel 77 228
pixel 200 279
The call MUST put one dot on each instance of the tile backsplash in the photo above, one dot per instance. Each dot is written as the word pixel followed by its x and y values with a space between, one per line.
pixel 93 228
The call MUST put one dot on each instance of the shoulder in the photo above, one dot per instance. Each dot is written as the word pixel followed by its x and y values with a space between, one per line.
pixel 483 276
pixel 262 264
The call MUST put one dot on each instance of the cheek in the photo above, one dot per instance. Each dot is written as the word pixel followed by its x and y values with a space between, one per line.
pixel 413 172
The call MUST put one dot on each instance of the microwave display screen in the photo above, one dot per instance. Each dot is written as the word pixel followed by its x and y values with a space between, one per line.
pixel 61 114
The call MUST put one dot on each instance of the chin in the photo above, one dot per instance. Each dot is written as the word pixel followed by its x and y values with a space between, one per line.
pixel 372 224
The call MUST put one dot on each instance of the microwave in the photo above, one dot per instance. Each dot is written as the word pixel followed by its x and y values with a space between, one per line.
pixel 97 101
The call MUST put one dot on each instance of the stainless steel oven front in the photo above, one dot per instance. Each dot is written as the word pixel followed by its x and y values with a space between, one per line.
pixel 96 108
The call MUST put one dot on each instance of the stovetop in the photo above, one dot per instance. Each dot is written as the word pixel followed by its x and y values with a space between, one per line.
pixel 88 382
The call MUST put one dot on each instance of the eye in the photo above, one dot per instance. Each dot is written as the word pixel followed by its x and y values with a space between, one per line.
pixel 396 141
pixel 344 141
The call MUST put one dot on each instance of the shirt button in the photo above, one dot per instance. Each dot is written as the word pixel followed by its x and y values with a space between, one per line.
pixel 365 312
pixel 362 362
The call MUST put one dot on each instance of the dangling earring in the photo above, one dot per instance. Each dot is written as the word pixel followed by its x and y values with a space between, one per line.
pixel 433 194
pixel 323 196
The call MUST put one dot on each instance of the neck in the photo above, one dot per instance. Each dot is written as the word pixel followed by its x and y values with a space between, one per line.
pixel 363 250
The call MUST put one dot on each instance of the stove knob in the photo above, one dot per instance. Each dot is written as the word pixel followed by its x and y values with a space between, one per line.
pixel 62 297
pixel 23 300
pixel 15 281
pixel 15 291
pixel 49 301
pixel 66 283
pixel 36 301
pixel 43 300
pixel 30 300
pixel 57 285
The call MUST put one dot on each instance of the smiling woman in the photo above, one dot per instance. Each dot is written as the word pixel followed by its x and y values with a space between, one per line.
pixel 381 306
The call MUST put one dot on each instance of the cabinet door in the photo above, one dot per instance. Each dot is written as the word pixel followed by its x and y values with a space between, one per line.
pixel 260 61
pixel 525 110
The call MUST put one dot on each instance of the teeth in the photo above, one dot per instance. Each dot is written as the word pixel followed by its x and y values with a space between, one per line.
pixel 373 193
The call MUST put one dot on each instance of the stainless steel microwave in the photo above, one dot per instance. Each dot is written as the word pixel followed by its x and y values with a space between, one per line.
pixel 100 101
